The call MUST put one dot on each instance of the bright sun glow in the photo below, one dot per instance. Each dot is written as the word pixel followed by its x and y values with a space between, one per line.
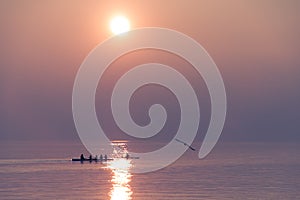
pixel 119 24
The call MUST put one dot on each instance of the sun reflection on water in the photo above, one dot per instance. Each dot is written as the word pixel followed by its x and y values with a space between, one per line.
pixel 121 178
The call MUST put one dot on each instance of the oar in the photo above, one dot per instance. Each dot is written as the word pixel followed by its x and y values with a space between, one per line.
pixel 185 144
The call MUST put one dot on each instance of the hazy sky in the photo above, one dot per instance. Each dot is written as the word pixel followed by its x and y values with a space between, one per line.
pixel 255 44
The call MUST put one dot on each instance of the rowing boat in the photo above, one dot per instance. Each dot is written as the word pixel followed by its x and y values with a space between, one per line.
pixel 91 160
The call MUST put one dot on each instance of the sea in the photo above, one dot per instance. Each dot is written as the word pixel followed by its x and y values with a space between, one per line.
pixel 231 171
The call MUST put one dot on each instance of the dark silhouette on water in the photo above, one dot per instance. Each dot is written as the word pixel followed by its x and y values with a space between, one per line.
pixel 82 157
pixel 91 159
pixel 185 144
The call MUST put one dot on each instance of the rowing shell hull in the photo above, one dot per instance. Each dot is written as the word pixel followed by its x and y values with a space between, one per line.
pixel 95 160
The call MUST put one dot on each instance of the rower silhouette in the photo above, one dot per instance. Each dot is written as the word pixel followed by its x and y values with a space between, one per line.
pixel 81 157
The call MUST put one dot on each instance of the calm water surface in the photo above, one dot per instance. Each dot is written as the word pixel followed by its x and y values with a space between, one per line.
pixel 233 171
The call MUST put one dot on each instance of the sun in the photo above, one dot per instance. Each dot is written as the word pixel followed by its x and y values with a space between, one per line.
pixel 119 24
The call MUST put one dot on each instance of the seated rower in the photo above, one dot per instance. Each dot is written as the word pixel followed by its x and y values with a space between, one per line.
pixel 81 157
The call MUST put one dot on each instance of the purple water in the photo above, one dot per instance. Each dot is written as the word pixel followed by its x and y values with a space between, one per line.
pixel 231 171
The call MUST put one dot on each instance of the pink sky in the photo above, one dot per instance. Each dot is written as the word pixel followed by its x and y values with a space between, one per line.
pixel 255 44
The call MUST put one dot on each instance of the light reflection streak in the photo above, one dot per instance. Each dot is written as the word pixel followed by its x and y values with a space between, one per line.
pixel 121 177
